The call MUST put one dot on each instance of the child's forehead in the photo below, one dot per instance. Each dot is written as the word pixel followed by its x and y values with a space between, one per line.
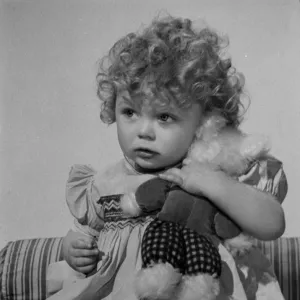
pixel 142 100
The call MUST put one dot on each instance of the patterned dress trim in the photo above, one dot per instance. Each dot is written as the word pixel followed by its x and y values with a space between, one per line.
pixel 115 218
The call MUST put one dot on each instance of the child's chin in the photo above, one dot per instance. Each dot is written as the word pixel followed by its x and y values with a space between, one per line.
pixel 148 165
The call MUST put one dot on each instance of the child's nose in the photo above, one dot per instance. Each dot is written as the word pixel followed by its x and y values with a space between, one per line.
pixel 146 130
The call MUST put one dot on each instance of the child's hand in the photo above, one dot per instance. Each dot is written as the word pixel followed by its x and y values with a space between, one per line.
pixel 194 177
pixel 81 252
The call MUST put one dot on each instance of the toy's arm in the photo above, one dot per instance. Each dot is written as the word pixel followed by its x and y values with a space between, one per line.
pixel 178 206
pixel 197 213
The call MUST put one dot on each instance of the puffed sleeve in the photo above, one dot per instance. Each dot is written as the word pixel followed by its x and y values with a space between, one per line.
pixel 267 175
pixel 82 195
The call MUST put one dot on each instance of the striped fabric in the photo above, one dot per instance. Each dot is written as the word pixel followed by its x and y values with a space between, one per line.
pixel 25 267
pixel 114 217
pixel 267 175
pixel 284 255
pixel 2 259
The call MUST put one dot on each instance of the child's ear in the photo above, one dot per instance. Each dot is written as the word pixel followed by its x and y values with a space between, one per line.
pixel 255 146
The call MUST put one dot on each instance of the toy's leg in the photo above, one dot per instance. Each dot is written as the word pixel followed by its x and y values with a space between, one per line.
pixel 202 267
pixel 162 242
pixel 162 261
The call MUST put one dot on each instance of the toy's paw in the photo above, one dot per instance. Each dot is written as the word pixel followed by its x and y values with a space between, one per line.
pixel 159 282
pixel 239 245
pixel 129 205
pixel 202 286
pixel 225 228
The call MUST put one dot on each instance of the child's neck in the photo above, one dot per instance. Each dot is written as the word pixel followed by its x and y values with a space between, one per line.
pixel 140 170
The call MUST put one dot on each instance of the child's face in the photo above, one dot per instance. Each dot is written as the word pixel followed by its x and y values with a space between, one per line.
pixel 152 135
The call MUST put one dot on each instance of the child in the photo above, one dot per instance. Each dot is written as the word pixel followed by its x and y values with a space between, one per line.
pixel 157 86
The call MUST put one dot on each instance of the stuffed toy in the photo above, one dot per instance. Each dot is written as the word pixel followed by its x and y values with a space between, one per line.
pixel 179 250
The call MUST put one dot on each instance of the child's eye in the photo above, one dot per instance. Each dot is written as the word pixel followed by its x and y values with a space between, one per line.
pixel 128 112
pixel 165 117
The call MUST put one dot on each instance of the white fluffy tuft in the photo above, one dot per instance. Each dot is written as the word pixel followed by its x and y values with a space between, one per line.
pixel 203 286
pixel 158 282
pixel 226 147
pixel 255 146
pixel 239 245
pixel 211 127
pixel 129 205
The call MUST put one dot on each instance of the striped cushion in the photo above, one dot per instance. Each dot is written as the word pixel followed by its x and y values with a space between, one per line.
pixel 284 254
pixel 25 267
pixel 2 259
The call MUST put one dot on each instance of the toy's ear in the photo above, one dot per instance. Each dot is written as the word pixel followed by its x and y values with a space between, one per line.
pixel 255 146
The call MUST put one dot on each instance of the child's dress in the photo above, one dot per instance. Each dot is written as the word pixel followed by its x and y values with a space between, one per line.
pixel 93 200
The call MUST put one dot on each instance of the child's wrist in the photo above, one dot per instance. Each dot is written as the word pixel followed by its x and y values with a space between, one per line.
pixel 216 186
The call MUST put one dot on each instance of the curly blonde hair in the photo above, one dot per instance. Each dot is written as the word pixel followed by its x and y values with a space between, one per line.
pixel 177 63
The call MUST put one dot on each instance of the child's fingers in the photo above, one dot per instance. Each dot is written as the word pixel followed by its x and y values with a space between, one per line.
pixel 173 175
pixel 86 269
pixel 84 243
pixel 84 252
pixel 85 261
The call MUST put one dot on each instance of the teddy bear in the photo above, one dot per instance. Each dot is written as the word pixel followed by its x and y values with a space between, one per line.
pixel 180 258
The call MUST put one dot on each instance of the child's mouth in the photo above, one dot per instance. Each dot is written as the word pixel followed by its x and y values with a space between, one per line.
pixel 145 153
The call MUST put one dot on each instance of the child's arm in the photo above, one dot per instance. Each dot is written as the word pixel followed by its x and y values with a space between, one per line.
pixel 80 244
pixel 258 213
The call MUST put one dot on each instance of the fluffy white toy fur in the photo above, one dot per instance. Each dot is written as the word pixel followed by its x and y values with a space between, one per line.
pixel 163 282
pixel 226 147
pixel 129 205
pixel 202 286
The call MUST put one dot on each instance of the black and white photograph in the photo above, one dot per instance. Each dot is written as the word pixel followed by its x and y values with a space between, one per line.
pixel 149 150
